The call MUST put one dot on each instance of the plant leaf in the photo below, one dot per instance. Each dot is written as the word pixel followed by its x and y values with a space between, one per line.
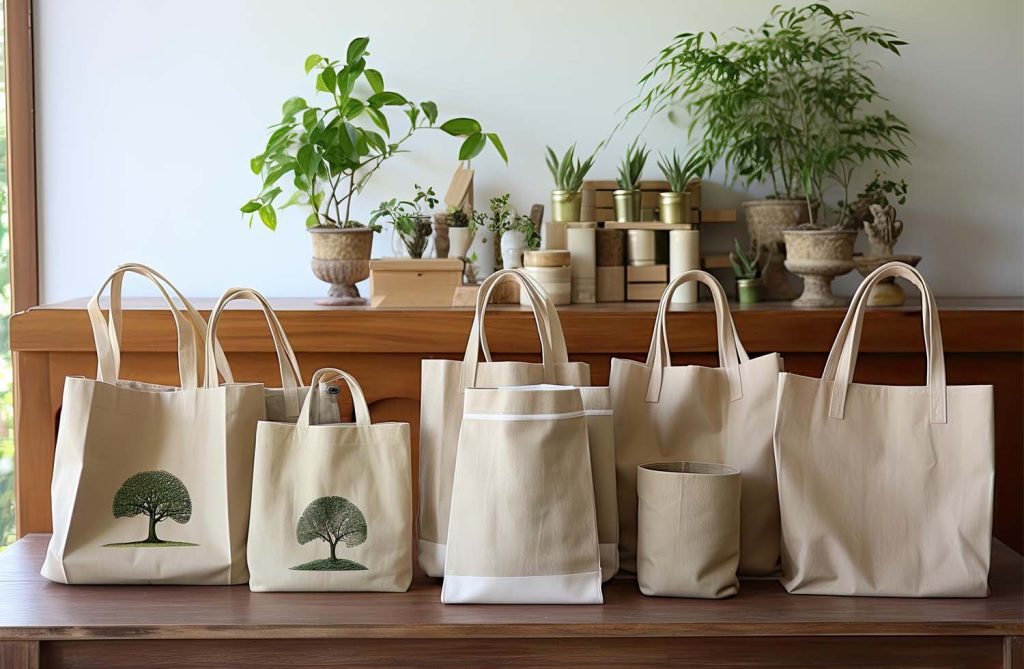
pixel 429 110
pixel 356 49
pixel 293 106
pixel 312 220
pixel 386 98
pixel 472 147
pixel 460 127
pixel 268 216
pixel 251 207
pixel 379 120
pixel 256 163
pixel 312 60
pixel 498 146
pixel 375 79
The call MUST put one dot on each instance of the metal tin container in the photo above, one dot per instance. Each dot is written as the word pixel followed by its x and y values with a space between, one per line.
pixel 674 207
pixel 627 205
pixel 640 247
pixel 748 290
pixel 566 206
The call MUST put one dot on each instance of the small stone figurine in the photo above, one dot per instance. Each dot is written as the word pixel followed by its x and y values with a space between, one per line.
pixel 883 231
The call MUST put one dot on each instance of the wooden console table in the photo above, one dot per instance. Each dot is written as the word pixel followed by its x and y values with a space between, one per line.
pixel 984 341
pixel 44 624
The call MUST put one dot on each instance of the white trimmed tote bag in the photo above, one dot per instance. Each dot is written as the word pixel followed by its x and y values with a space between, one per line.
pixel 331 503
pixel 885 490
pixel 718 414
pixel 443 387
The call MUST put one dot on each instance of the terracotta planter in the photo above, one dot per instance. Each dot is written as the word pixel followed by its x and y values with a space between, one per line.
pixel 818 256
pixel 766 219
pixel 341 257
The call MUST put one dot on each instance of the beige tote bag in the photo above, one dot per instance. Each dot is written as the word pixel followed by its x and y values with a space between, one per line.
pixel 331 503
pixel 597 404
pixel 523 526
pixel 885 490
pixel 718 414
pixel 443 383
pixel 151 484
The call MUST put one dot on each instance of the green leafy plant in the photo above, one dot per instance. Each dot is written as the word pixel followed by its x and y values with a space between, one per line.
pixel 678 173
pixel 330 152
pixel 503 218
pixel 458 218
pixel 743 265
pixel 790 102
pixel 570 171
pixel 881 191
pixel 410 220
pixel 632 166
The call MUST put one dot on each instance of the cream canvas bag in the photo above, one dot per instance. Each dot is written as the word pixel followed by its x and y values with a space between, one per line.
pixel 441 405
pixel 331 503
pixel 523 524
pixel 597 405
pixel 151 483
pixel 885 490
pixel 718 414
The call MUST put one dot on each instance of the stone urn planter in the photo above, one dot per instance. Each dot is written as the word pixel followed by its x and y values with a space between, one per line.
pixel 341 257
pixel 766 220
pixel 818 256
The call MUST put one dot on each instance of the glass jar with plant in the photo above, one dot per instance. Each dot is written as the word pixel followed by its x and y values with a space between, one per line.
pixel 790 103
pixel 329 152
pixel 748 273
pixel 568 173
pixel 627 197
pixel 511 232
pixel 674 206
pixel 409 220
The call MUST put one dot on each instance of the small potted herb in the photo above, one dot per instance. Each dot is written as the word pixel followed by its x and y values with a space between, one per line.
pixel 411 224
pixel 461 230
pixel 627 197
pixel 568 173
pixel 674 206
pixel 748 274
pixel 511 232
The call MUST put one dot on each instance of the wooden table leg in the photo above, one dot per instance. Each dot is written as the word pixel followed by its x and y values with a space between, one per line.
pixel 19 655
pixel 1013 652
pixel 34 439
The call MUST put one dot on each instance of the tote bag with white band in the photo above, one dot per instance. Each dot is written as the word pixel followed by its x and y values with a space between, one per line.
pixel 151 484
pixel 718 414
pixel 885 490
pixel 523 524
pixel 597 404
pixel 331 503
pixel 441 404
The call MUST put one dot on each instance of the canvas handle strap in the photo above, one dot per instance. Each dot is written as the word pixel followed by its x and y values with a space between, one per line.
pixel 842 360
pixel 327 375
pixel 547 318
pixel 731 353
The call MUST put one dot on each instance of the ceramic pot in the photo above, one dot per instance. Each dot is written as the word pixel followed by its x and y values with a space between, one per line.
pixel 513 243
pixel 818 256
pixel 748 291
pixel 627 205
pixel 766 219
pixel 341 257
pixel 885 293
pixel 442 244
pixel 674 207
pixel 566 206
pixel 459 241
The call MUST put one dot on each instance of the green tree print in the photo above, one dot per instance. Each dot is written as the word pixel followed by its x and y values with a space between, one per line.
pixel 157 494
pixel 333 520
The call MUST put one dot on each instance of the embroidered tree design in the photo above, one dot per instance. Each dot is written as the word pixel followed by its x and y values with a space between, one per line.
pixel 333 520
pixel 158 494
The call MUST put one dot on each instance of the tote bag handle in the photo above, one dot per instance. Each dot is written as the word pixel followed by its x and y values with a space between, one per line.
pixel 842 360
pixel 547 317
pixel 327 375
pixel 291 376
pixel 472 357
pixel 731 353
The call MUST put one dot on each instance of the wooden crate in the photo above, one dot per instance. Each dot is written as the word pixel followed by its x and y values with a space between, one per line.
pixel 414 282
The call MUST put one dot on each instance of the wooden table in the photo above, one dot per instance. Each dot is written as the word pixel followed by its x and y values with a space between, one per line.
pixel 49 625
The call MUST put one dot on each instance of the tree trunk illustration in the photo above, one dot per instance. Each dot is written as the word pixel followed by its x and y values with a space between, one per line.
pixel 334 546
pixel 152 538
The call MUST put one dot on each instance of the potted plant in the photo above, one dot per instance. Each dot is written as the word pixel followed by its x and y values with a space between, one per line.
pixel 748 273
pixel 411 224
pixel 674 206
pixel 461 230
pixel 775 102
pixel 568 173
pixel 627 197
pixel 330 152
pixel 511 233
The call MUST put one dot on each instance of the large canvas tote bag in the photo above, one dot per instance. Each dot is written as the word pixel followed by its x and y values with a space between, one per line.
pixel 718 414
pixel 885 490
pixel 523 526
pixel 151 484
pixel 443 384
pixel 331 503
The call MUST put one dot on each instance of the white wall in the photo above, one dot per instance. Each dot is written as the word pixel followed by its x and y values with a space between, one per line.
pixel 149 111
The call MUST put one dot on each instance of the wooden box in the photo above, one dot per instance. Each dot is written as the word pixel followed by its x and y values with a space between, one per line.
pixel 414 282
pixel 645 292
pixel 611 284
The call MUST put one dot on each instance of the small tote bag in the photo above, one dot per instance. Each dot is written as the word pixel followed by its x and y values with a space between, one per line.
pixel 331 503
pixel 702 414
pixel 443 385
pixel 523 526
pixel 151 483
pixel 885 490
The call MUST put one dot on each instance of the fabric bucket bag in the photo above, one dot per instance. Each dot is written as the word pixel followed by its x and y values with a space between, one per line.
pixel 523 526
pixel 443 387
pixel 885 490
pixel 331 503
pixel 702 414
pixel 151 483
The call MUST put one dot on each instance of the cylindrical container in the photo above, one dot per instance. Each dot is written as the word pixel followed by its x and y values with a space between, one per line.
pixel 553 238
pixel 553 271
pixel 513 244
pixel 674 207
pixel 641 247
pixel 581 238
pixel 748 291
pixel 627 205
pixel 688 529
pixel 460 240
pixel 485 255
pixel 683 255
pixel 611 248
pixel 566 206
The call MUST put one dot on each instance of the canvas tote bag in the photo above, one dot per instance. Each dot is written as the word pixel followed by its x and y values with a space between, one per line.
pixel 523 526
pixel 718 414
pixel 151 483
pixel 443 383
pixel 885 490
pixel 331 503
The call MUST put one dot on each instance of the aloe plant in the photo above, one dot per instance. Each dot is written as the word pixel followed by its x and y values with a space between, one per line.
pixel 569 172
pixel 677 173
pixel 743 265
pixel 632 166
